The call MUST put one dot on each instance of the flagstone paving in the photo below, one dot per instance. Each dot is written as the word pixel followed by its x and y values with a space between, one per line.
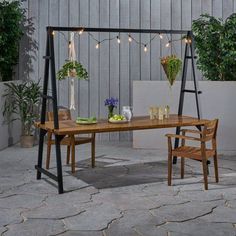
pixel 125 195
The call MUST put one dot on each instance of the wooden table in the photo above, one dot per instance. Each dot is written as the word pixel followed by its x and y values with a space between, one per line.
pixel 70 127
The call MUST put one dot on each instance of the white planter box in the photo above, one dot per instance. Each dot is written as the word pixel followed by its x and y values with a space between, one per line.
pixel 9 134
pixel 217 101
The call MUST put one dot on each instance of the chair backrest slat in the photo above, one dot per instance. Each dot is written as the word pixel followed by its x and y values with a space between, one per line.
pixel 62 115
pixel 210 130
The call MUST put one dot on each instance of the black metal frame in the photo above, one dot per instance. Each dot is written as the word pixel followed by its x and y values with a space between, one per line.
pixel 50 65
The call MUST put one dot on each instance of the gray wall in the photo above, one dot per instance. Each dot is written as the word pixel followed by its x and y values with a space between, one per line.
pixel 112 68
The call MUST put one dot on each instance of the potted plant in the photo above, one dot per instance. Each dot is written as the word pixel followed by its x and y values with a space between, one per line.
pixel 172 66
pixel 21 102
pixel 72 69
pixel 11 28
pixel 216 47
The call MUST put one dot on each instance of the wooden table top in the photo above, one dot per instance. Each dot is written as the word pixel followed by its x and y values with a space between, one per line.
pixel 137 123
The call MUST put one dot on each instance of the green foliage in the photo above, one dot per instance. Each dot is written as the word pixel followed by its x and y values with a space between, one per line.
pixel 11 31
pixel 172 66
pixel 21 101
pixel 72 69
pixel 216 47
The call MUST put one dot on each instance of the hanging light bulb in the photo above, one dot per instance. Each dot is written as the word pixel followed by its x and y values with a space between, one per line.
pixel 118 39
pixel 69 46
pixel 130 39
pixel 81 31
pixel 53 33
pixel 185 40
pixel 168 44
pixel 161 36
pixel 98 45
pixel 145 48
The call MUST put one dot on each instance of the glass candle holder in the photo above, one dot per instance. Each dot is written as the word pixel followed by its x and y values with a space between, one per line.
pixel 151 114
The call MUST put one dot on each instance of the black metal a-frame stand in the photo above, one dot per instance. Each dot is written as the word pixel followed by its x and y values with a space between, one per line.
pixel 50 66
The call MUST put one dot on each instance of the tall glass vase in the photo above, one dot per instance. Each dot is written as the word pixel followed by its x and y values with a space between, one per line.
pixel 110 111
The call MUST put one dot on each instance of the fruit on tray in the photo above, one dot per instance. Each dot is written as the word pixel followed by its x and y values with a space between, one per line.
pixel 117 118
pixel 83 119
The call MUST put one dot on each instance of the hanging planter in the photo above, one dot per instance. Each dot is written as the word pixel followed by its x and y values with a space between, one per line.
pixel 72 69
pixel 172 66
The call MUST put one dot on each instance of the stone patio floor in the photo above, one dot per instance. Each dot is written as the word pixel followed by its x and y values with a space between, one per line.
pixel 125 195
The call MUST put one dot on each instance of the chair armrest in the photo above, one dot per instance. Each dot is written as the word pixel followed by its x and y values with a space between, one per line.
pixel 191 131
pixel 184 137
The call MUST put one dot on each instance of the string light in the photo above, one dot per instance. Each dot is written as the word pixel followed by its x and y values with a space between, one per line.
pixel 168 44
pixel 145 48
pixel 130 39
pixel 97 45
pixel 161 36
pixel 118 39
pixel 69 44
pixel 81 31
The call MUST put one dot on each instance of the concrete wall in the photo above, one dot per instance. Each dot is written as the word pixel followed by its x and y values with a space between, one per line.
pixel 9 134
pixel 217 101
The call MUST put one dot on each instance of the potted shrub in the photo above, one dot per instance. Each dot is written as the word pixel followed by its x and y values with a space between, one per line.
pixel 172 66
pixel 21 102
pixel 11 28
pixel 216 47
pixel 72 69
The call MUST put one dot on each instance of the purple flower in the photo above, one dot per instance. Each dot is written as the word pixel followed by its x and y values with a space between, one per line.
pixel 111 102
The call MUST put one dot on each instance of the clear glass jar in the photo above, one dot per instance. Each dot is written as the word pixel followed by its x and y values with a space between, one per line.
pixel 126 112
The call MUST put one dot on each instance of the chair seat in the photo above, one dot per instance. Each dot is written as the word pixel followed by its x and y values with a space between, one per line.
pixel 78 140
pixel 192 152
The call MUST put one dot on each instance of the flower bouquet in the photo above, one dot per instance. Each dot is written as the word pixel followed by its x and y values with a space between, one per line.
pixel 111 103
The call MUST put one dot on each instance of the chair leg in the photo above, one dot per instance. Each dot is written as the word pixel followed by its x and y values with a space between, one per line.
pixel 48 155
pixel 216 168
pixel 68 155
pixel 93 150
pixel 182 167
pixel 204 167
pixel 169 168
pixel 73 155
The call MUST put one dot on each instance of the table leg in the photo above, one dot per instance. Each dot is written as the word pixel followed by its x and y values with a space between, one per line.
pixel 58 139
pixel 42 133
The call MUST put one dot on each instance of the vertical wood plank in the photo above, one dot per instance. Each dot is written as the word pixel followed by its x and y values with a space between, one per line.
pixel 196 12
pixel 234 5
pixel 54 20
pixel 217 9
pixel 134 48
pixel 23 66
pixel 165 24
pixel 114 55
pixel 63 52
pixel 74 21
pixel 228 6
pixel 104 63
pixel 34 15
pixel 176 10
pixel 207 7
pixel 94 61
pixel 186 24
pixel 43 22
pixel 125 85
pixel 196 9
pixel 155 44
pixel 145 38
pixel 84 59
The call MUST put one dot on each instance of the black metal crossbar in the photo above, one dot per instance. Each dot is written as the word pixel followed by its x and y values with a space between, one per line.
pixel 50 66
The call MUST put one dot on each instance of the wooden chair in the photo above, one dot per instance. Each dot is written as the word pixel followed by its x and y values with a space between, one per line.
pixel 69 141
pixel 201 153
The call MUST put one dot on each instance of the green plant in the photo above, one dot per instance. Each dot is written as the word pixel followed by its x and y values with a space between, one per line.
pixel 72 69
pixel 172 66
pixel 11 21
pixel 216 47
pixel 21 101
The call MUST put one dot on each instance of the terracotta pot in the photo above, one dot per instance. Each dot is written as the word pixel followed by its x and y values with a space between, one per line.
pixel 27 141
